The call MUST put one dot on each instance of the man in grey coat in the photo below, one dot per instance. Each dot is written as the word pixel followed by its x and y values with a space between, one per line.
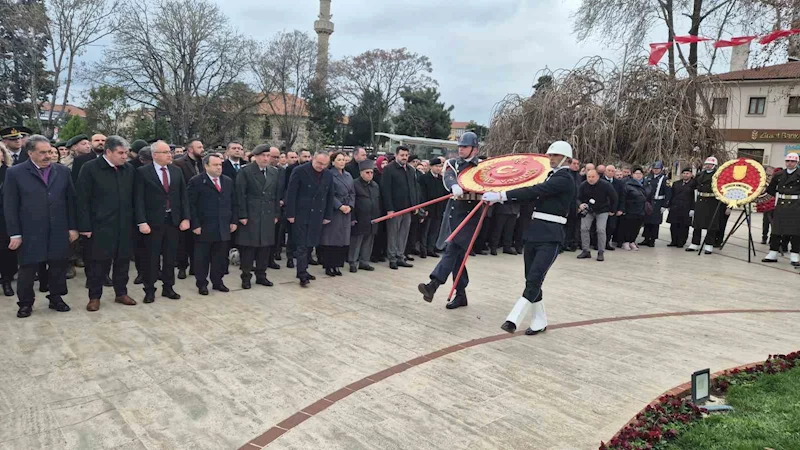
pixel 258 192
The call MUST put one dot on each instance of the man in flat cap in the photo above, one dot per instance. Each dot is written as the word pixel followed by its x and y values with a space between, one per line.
pixel 432 187
pixel 14 138
pixel 82 151
pixel 136 147
pixel 367 208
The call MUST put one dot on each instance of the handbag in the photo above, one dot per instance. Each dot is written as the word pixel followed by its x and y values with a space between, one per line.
pixel 648 208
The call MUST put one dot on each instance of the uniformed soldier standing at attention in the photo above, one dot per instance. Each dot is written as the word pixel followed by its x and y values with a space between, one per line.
pixel 785 186
pixel 662 195
pixel 706 209
pixel 456 211
pixel 544 235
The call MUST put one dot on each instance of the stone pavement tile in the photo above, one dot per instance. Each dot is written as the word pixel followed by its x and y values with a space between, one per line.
pixel 46 440
pixel 114 372
pixel 105 430
pixel 160 362
pixel 24 422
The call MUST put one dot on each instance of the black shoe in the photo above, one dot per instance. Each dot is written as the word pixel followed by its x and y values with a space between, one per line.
pixel 672 244
pixel 392 265
pixel 571 249
pixel 170 294
pixel 203 290
pixel 428 290
pixel 139 279
pixel 600 256
pixel 313 262
pixel 221 288
pixel 43 287
pixel 311 277
pixel 645 243
pixel 433 254
pixel 337 271
pixel 585 254
pixel 353 268
pixel 24 311
pixel 59 306
pixel 274 266
pixel 519 250
pixel 530 331
pixel 108 282
pixel 763 240
pixel 408 258
pixel 610 248
pixel 149 298
pixel 652 243
pixel 181 274
pixel 510 251
pixel 472 253
pixel 246 284
pixel 290 263
pixel 493 252
pixel 278 257
pixel 330 272
pixel 423 253
pixel 71 273
pixel 263 282
pixel 483 252
pixel 365 266
pixel 8 291
pixel 304 282
pixel 191 272
pixel 509 327
pixel 404 264
pixel 458 301
pixel 382 259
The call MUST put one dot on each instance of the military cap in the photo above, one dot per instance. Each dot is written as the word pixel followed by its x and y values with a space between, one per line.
pixel 435 162
pixel 15 132
pixel 138 145
pixel 413 158
pixel 468 139
pixel 366 164
pixel 261 148
pixel 658 165
pixel 61 144
pixel 686 169
pixel 76 139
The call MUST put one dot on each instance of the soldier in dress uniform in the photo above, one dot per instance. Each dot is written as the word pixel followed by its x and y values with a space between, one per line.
pixel 456 211
pixel 14 140
pixel 681 205
pixel 706 209
pixel 785 186
pixel 659 186
pixel 553 200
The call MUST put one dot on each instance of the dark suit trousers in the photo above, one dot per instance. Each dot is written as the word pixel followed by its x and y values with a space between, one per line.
pixel 185 249
pixel 430 232
pixel 213 256
pixel 258 254
pixel 650 231
pixel 97 269
pixel 679 233
pixel 57 278
pixel 275 250
pixel 503 230
pixel 412 244
pixel 301 251
pixel 538 259
pixel 140 252
pixel 161 242
pixel 8 262
pixel 611 228
pixel 450 264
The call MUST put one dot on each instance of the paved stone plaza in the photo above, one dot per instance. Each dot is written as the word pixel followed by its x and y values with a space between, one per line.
pixel 216 372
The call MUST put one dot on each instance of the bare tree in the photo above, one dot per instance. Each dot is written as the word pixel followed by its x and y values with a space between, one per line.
pixel 74 25
pixel 385 73
pixel 285 68
pixel 177 56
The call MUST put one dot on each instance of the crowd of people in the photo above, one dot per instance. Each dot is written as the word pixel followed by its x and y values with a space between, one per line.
pixel 99 203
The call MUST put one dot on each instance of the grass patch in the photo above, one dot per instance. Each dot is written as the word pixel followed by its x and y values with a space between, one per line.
pixel 766 415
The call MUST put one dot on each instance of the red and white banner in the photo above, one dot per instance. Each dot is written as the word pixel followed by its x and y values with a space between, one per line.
pixel 657 50
pixel 690 39
pixel 734 41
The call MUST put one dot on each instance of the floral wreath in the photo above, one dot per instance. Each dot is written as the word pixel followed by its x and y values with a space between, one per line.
pixel 739 182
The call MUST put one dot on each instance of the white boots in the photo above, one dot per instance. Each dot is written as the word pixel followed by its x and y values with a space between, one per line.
pixel 539 322
pixel 708 249
pixel 795 258
pixel 771 257
pixel 691 248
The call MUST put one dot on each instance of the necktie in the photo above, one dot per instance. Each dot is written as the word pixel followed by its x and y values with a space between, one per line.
pixel 165 183
pixel 236 167
pixel 264 172
pixel 16 157
pixel 216 184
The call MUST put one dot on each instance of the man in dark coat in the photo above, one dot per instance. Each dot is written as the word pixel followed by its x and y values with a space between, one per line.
pixel 706 209
pixel 367 208
pixel 258 193
pixel 105 217
pixel 398 192
pixel 212 206
pixel 162 212
pixel 309 206
pixel 234 163
pixel 659 186
pixel 97 149
pixel 294 160
pixel 615 214
pixel 353 167
pixel 280 226
pixel 596 199
pixel 39 208
pixel 432 187
pixel 13 138
pixel 785 186
pixel 136 147
pixel 681 209
pixel 191 164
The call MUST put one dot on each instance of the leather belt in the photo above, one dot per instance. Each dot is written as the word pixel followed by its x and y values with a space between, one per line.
pixel 469 197
pixel 705 194
pixel 549 217
pixel 787 197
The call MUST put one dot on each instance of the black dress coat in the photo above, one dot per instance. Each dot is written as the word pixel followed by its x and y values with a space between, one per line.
pixel 352 169
pixel 41 213
pixel 105 208
pixel 79 161
pixel 399 187
pixel 258 200
pixel 210 210
pixel 432 187
pixel 706 208
pixel 189 167
pixel 652 183
pixel 150 201
pixel 368 207
pixel 682 202
pixel 309 200
pixel 229 171
pixel 786 217
pixel 633 198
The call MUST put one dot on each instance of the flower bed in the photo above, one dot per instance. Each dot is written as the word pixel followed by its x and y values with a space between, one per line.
pixel 664 419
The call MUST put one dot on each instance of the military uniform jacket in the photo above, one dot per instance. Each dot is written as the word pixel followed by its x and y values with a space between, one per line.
pixel 457 210
pixel 556 196
pixel 661 197
pixel 258 200
pixel 786 218
pixel 105 208
pixel 682 202
pixel 706 206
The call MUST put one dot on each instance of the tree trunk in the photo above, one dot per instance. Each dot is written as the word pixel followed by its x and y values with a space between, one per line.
pixel 670 36
pixel 794 41
pixel 693 52
pixel 68 82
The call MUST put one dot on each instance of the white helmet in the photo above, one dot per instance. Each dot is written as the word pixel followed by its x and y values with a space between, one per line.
pixel 560 148
pixel 711 160
pixel 792 157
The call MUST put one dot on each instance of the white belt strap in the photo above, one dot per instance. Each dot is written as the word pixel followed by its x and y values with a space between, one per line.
pixel 787 197
pixel 549 217
pixel 661 197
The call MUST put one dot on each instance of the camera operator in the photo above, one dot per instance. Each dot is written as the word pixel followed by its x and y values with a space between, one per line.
pixel 596 197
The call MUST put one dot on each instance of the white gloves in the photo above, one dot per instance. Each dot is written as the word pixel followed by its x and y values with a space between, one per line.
pixel 663 209
pixel 691 213
pixel 457 191
pixel 494 197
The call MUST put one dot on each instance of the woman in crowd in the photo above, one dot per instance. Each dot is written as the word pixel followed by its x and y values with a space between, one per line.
pixel 335 239
pixel 632 204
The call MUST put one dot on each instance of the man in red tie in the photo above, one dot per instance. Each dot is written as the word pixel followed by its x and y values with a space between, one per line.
pixel 211 209
pixel 162 212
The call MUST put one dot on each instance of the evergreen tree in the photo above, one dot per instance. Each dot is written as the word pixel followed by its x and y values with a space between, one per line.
pixel 325 116
pixel 480 130
pixel 423 115
pixel 75 125
pixel 362 120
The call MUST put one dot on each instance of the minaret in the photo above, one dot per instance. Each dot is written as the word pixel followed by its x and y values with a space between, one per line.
pixel 324 29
